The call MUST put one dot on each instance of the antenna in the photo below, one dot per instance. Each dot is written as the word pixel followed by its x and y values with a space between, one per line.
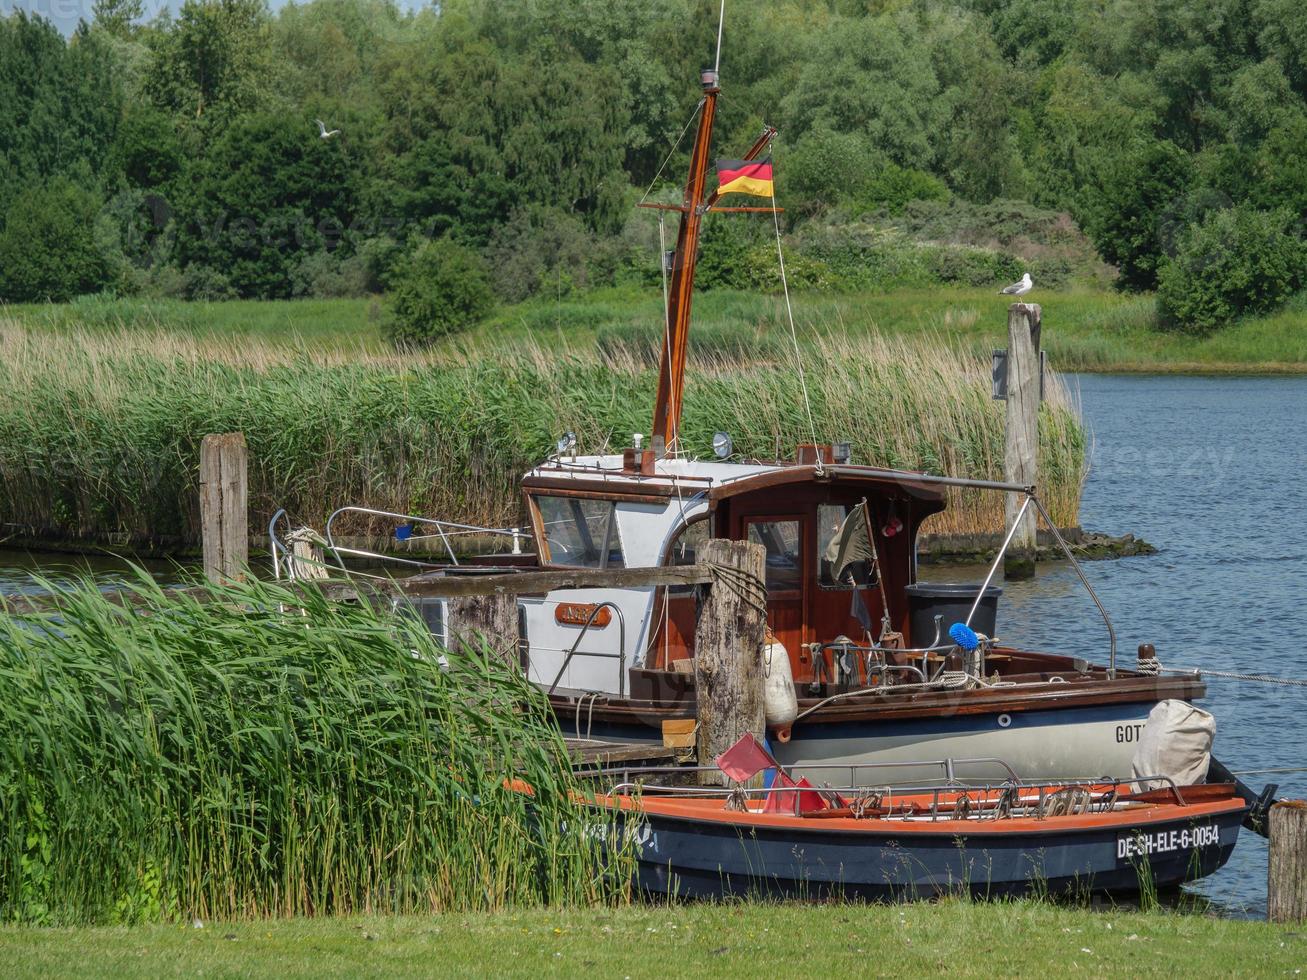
pixel 721 19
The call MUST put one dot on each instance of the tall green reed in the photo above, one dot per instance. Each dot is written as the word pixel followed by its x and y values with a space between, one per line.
pixel 100 433
pixel 246 751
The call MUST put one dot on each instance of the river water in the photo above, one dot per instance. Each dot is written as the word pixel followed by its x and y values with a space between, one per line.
pixel 1203 468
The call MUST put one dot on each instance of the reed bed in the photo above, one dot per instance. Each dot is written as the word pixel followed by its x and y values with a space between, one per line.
pixel 248 752
pixel 100 431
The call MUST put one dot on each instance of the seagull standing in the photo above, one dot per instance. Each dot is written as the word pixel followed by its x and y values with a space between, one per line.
pixel 327 134
pixel 1018 288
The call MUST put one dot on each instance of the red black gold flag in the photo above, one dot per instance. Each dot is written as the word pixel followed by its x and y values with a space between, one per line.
pixel 744 177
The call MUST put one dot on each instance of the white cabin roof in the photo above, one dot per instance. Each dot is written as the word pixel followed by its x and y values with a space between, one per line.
pixel 668 472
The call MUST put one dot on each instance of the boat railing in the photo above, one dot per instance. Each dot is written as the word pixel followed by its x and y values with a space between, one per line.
pixel 619 656
pixel 1032 498
pixel 1101 789
pixel 445 531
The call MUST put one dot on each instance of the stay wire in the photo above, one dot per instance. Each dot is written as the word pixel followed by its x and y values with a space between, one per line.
pixel 794 335
pixel 675 146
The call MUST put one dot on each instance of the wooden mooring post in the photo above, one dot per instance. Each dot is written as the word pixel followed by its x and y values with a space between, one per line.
pixel 1286 870
pixel 1021 451
pixel 489 621
pixel 728 645
pixel 224 506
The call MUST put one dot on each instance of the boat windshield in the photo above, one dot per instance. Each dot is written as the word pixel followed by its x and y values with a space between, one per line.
pixel 581 533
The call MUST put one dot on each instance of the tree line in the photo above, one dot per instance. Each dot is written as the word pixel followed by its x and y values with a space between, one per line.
pixel 507 140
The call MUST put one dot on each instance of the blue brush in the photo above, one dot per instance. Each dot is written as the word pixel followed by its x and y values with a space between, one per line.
pixel 964 636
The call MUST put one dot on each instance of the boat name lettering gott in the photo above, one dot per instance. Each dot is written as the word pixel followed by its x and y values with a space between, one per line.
pixel 1138 845
pixel 1126 734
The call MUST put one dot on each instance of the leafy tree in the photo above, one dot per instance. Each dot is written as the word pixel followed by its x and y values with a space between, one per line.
pixel 59 100
pixel 441 288
pixel 872 75
pixel 1128 213
pixel 48 250
pixel 1236 261
pixel 267 193
pixel 216 58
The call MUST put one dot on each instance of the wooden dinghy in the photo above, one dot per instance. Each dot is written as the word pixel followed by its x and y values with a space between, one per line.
pixel 797 841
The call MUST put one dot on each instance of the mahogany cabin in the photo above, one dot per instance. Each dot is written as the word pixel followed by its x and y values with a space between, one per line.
pixel 633 511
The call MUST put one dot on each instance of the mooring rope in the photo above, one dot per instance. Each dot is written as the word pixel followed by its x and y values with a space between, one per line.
pixel 749 588
pixel 1266 772
pixel 1229 675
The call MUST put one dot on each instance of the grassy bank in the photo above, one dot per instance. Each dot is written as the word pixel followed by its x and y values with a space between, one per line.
pixel 262 754
pixel 964 940
pixel 99 432
pixel 1085 329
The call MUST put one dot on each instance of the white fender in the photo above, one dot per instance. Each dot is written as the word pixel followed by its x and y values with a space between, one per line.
pixel 781 704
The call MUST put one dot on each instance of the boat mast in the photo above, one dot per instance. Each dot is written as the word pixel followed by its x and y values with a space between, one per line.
pixel 680 293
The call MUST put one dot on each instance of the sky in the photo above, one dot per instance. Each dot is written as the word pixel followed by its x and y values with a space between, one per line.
pixel 65 14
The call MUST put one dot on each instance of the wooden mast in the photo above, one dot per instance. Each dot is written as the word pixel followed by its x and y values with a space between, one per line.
pixel 680 292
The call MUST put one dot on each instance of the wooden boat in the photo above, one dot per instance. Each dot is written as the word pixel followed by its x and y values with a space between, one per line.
pixel 999 841
pixel 875 677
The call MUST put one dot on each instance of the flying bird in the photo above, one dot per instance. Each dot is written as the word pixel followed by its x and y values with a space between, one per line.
pixel 1018 288
pixel 324 132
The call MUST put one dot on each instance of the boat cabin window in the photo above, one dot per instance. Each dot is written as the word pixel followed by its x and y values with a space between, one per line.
pixel 844 555
pixel 783 541
pixel 685 546
pixel 581 533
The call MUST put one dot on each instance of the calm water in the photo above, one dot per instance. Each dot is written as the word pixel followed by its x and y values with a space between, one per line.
pixel 1206 470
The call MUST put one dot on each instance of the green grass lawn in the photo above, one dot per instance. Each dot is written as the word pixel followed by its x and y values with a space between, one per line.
pixel 951 938
pixel 1085 329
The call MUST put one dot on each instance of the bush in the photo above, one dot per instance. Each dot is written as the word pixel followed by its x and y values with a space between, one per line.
pixel 1128 212
pixel 48 251
pixel 890 188
pixel 325 275
pixel 440 288
pixel 1235 262
pixel 540 250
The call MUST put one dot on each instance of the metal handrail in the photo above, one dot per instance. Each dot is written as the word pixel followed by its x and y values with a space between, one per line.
pixel 620 656
pixel 1102 610
pixel 949 765
pixel 1032 498
pixel 515 533
pixel 277 547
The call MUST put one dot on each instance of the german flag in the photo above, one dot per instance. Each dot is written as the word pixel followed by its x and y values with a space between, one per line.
pixel 745 177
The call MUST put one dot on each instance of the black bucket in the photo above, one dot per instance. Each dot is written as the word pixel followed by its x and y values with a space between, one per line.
pixel 952 600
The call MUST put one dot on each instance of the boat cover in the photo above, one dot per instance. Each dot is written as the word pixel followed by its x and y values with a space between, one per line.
pixel 1176 742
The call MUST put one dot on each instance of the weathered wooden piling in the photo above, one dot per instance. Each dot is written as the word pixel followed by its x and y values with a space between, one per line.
pixel 728 644
pixel 1286 871
pixel 484 621
pixel 224 506
pixel 1024 321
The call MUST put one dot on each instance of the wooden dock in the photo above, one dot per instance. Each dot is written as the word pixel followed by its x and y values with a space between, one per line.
pixel 592 754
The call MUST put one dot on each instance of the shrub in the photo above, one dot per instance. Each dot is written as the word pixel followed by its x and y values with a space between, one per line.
pixel 890 188
pixel 48 250
pixel 1236 261
pixel 440 288
pixel 1127 213
pixel 326 275
pixel 540 250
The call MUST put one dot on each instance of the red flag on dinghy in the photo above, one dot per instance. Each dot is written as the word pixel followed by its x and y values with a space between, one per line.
pixel 745 759
pixel 783 802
